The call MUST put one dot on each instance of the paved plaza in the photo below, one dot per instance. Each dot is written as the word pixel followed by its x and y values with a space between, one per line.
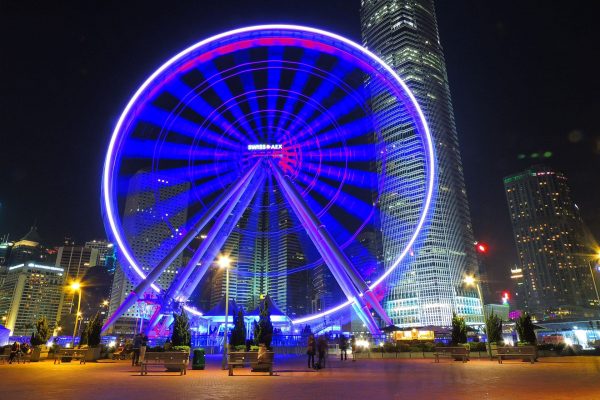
pixel 551 378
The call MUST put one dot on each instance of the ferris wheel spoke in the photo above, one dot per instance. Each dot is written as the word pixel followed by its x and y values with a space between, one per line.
pixel 363 179
pixel 201 107
pixel 325 89
pixel 248 84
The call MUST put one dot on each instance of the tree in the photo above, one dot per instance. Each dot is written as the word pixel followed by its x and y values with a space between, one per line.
pixel 525 329
pixel 238 334
pixel 265 326
pixel 493 328
pixel 42 332
pixel 459 330
pixel 181 330
pixel 94 331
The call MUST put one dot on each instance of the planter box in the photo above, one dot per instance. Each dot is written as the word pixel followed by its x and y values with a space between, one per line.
pixel 92 354
pixel 39 353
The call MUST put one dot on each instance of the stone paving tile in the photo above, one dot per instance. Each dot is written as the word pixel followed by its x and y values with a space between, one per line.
pixel 551 378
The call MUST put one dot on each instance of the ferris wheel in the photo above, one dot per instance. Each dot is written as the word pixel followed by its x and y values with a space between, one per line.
pixel 284 121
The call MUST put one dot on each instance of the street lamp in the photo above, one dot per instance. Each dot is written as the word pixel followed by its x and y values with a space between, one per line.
pixel 76 287
pixel 597 259
pixel 225 262
pixel 470 280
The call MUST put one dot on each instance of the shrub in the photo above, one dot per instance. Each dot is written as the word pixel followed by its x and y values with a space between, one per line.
pixel 181 348
pixel 493 328
pixel 478 346
pixel 238 334
pixel 94 331
pixel 264 333
pixel 42 332
pixel 459 330
pixel 181 330
pixel 525 329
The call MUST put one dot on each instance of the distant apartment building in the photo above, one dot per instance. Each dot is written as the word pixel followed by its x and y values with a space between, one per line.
pixel 30 290
pixel 552 246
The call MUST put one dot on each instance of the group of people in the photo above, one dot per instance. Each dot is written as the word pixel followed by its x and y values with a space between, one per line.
pixel 140 341
pixel 320 346
pixel 17 350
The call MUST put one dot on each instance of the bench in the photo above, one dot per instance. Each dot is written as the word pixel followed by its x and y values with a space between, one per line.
pixel 172 360
pixel 523 352
pixel 250 358
pixel 73 354
pixel 452 352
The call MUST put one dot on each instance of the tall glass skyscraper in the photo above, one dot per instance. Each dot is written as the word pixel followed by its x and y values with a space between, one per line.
pixel 554 249
pixel 428 287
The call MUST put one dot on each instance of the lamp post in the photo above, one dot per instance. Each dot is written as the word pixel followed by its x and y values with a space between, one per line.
pixel 471 281
pixel 225 262
pixel 597 258
pixel 76 287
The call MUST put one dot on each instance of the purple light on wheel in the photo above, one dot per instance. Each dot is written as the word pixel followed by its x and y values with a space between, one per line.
pixel 316 153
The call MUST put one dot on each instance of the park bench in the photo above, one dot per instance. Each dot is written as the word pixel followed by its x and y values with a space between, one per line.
pixel 73 354
pixel 523 352
pixel 176 360
pixel 451 352
pixel 250 358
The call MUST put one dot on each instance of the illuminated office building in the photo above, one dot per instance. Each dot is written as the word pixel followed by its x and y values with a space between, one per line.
pixel 428 286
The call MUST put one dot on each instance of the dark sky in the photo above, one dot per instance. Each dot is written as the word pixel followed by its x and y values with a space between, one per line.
pixel 524 78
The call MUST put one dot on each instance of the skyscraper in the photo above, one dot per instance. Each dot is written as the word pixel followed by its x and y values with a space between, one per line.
pixel 76 261
pixel 552 246
pixel 30 290
pixel 428 286
pixel 152 225
pixel 106 253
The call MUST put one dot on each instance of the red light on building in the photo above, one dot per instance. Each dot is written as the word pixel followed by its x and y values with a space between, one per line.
pixel 481 247
pixel 505 297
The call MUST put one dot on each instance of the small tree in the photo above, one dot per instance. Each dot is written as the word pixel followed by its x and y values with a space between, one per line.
pixel 525 329
pixel 265 326
pixel 459 330
pixel 493 328
pixel 181 330
pixel 94 331
pixel 83 336
pixel 42 332
pixel 238 334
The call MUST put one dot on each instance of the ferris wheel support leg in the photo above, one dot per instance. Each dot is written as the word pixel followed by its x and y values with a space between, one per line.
pixel 179 247
pixel 326 247
pixel 217 237
pixel 193 268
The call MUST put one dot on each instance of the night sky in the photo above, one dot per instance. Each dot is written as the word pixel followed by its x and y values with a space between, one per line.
pixel 524 78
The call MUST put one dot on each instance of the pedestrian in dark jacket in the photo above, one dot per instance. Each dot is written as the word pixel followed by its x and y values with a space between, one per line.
pixel 311 349
pixel 322 348
pixel 343 348
pixel 137 345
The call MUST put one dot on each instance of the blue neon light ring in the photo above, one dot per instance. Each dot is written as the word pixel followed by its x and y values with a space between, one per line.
pixel 306 34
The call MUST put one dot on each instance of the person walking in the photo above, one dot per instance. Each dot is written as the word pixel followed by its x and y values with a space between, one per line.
pixel 343 348
pixel 322 348
pixel 137 344
pixel 353 347
pixel 311 349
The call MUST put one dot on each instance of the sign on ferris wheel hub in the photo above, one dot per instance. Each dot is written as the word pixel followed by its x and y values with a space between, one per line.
pixel 226 120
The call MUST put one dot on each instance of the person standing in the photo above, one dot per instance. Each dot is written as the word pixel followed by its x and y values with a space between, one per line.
pixel 137 344
pixel 353 347
pixel 311 348
pixel 322 348
pixel 343 348
pixel 143 346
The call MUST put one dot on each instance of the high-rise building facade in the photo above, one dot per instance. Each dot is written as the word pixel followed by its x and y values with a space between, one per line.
pixel 428 287
pixel 76 261
pixel 106 253
pixel 152 225
pixel 30 290
pixel 552 245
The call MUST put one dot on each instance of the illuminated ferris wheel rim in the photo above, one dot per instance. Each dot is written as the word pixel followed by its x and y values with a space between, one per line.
pixel 111 160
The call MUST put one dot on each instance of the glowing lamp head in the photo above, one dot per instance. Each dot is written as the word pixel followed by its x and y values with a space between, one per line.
pixel 224 262
pixel 75 286
pixel 469 280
